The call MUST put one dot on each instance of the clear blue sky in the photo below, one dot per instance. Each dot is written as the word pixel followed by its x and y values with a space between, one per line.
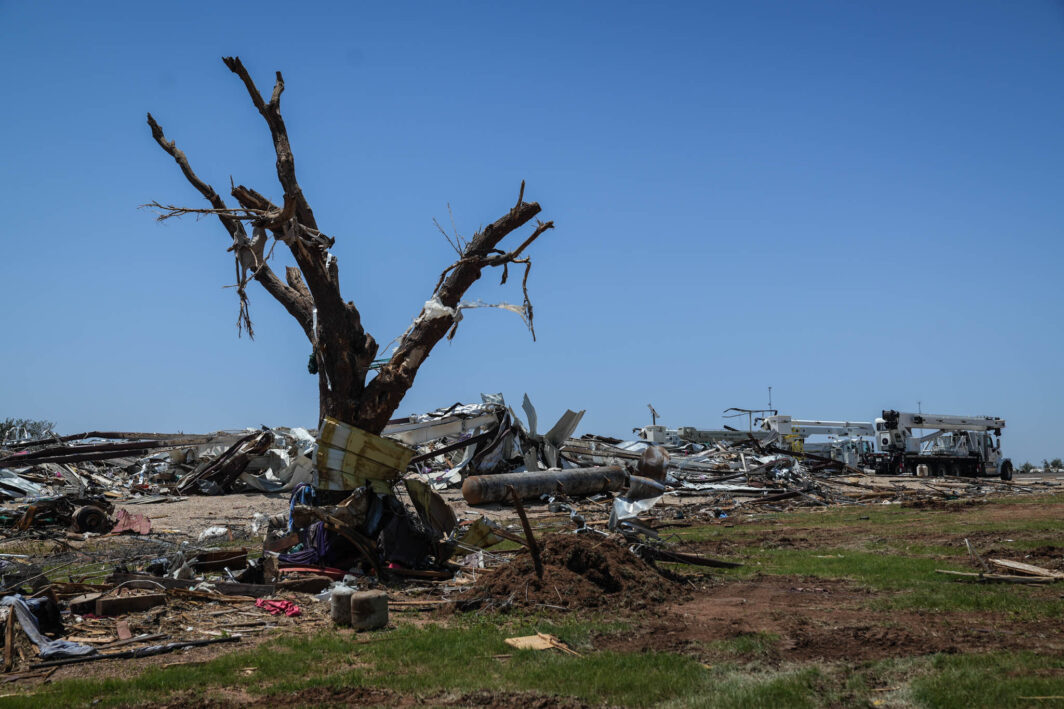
pixel 856 203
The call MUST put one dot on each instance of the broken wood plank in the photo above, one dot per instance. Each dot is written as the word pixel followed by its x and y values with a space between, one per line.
pixel 85 603
pixel 540 641
pixel 29 675
pixel 532 546
pixel 1027 568
pixel 138 639
pixel 221 559
pixel 208 597
pixel 119 605
pixel 685 558
pixel 974 555
pixel 995 578
pixel 9 640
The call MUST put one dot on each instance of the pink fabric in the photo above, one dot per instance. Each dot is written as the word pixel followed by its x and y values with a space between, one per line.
pixel 278 607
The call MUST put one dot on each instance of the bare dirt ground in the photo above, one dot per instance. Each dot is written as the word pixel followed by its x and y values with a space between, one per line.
pixel 193 514
pixel 819 619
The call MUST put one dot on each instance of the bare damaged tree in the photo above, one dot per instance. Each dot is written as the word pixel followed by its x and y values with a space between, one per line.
pixel 343 350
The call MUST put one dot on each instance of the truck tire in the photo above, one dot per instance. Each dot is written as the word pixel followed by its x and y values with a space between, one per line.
pixel 1006 470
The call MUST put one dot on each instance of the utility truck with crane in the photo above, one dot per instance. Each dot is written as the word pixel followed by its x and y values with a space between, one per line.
pixel 968 446
pixel 956 445
pixel 850 442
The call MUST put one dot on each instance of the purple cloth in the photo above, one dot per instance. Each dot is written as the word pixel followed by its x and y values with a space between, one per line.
pixel 317 547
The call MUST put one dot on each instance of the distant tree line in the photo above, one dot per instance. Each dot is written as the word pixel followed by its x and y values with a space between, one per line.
pixel 21 429
pixel 1055 464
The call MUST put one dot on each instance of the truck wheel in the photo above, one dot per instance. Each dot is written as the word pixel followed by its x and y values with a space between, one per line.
pixel 1006 470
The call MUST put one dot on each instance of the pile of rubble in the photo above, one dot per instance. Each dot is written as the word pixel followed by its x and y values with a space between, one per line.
pixel 578 571
pixel 137 596
pixel 758 473
pixel 132 465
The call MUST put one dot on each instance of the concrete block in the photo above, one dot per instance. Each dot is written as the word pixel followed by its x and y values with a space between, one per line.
pixel 369 610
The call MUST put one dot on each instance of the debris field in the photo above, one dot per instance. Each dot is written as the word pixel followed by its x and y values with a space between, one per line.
pixel 120 546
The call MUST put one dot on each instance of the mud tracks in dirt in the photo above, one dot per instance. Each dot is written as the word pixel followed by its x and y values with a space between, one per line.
pixel 776 619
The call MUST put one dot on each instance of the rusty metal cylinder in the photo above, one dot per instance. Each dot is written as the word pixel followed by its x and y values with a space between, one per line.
pixel 484 489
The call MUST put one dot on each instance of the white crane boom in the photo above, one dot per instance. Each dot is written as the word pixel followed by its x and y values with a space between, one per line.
pixel 908 420
pixel 803 428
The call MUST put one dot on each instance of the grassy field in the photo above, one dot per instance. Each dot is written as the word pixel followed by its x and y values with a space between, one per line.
pixel 880 560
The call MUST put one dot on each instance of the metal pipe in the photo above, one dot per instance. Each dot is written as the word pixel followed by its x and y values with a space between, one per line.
pixel 484 489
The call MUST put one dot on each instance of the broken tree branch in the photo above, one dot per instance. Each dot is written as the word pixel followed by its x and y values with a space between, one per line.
pixel 271 112
pixel 298 306
pixel 386 390
pixel 533 547
pixel 169 211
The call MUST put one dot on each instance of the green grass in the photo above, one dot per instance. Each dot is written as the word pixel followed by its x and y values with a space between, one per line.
pixel 891 519
pixel 1055 498
pixel 410 660
pixel 428 661
pixel 992 680
pixel 739 689
pixel 874 547
pixel 468 653
pixel 461 659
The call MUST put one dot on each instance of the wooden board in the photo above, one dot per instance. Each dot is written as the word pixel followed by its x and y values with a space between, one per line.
pixel 1027 568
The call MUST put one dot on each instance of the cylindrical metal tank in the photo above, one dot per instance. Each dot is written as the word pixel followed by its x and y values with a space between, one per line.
pixel 484 489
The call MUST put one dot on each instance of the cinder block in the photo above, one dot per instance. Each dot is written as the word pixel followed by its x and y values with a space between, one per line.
pixel 369 610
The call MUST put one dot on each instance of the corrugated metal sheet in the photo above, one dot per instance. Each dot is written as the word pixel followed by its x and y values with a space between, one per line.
pixel 349 457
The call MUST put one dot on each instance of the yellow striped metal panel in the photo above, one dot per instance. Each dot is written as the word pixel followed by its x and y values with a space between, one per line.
pixel 348 457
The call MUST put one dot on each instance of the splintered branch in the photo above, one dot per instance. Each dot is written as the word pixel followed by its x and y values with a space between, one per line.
pixel 448 237
pixel 169 211
pixel 495 257
pixel 386 390
pixel 271 112
pixel 271 218
pixel 298 305
pixel 524 289
pixel 512 256
pixel 234 228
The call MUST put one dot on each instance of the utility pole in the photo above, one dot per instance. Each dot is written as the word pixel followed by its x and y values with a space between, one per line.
pixel 770 397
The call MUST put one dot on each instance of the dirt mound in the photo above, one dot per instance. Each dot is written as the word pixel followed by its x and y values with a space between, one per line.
pixel 579 571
